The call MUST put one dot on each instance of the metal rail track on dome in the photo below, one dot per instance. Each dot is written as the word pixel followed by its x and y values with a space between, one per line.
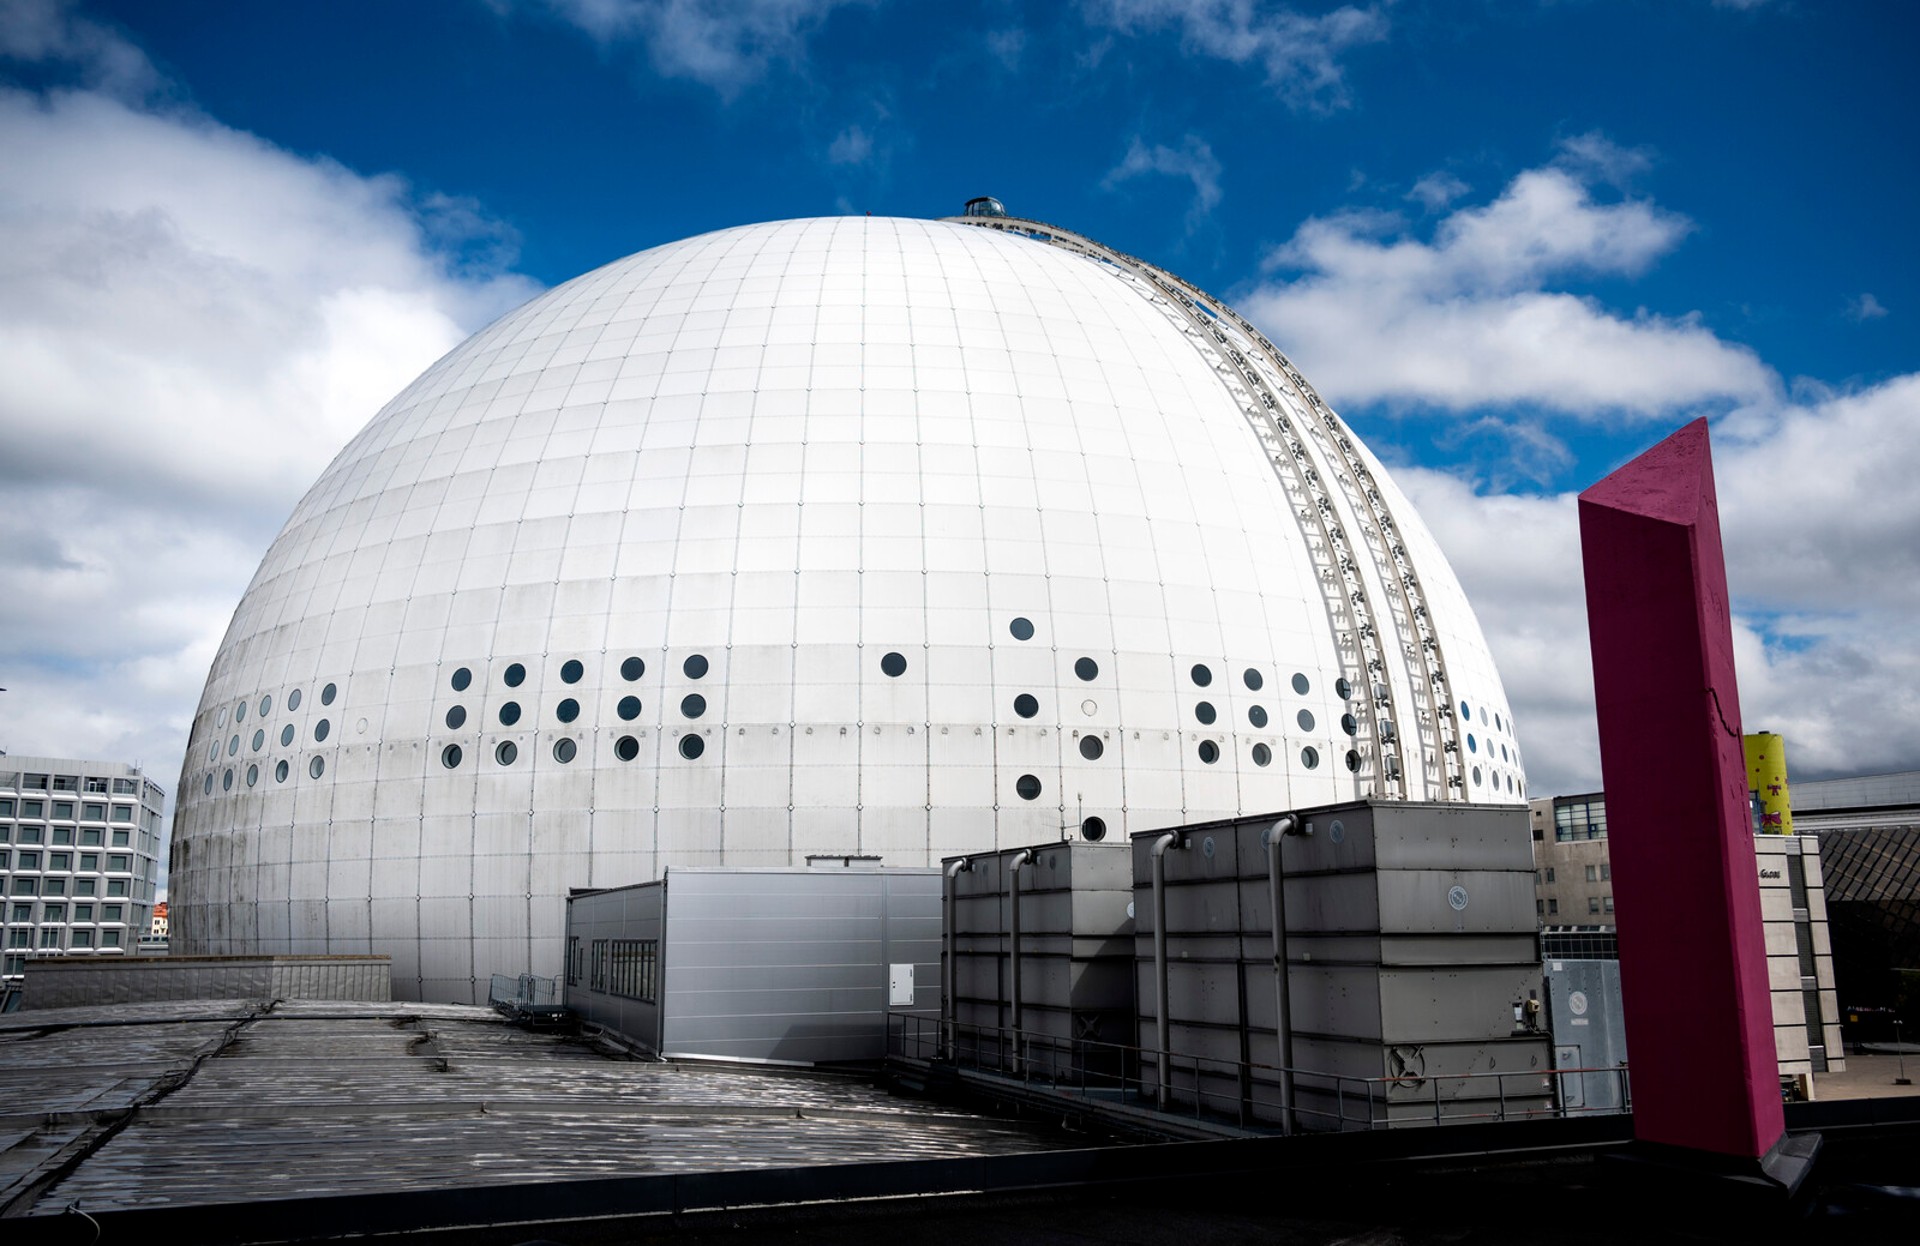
pixel 1306 443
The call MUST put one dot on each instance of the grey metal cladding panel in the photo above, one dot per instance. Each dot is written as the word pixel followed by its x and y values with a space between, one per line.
pixel 1198 906
pixel 1346 847
pixel 1452 1004
pixel 694 957
pixel 1208 993
pixel 1442 837
pixel 755 977
pixel 1335 949
pixel 1101 867
pixel 1102 913
pixel 820 925
pixel 787 905
pixel 1319 903
pixel 1421 902
pixel 1335 999
pixel 762 1011
pixel 1462 949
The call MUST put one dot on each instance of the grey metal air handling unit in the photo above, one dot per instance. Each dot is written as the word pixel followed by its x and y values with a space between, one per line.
pixel 1411 977
pixel 777 964
pixel 1041 947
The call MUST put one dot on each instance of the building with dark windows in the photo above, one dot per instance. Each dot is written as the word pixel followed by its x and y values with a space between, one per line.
pixel 892 539
pixel 1573 901
pixel 79 858
pixel 1869 832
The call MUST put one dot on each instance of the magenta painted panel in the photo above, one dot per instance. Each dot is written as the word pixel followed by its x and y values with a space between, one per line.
pixel 1693 963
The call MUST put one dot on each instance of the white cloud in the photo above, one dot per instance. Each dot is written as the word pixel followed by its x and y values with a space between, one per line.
pixel 724 44
pixel 1466 318
pixel 1436 190
pixel 1865 308
pixel 1299 52
pixel 192 322
pixel 1007 47
pixel 852 145
pixel 1822 536
pixel 1593 157
pixel 1192 161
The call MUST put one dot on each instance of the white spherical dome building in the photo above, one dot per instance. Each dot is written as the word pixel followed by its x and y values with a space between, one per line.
pixel 865 537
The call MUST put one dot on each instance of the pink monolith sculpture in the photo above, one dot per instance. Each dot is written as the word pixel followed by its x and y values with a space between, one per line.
pixel 1693 962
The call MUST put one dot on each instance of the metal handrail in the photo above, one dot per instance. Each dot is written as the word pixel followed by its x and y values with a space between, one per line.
pixel 1131 1074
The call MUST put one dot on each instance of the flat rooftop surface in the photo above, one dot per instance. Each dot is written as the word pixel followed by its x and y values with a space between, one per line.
pixel 236 1102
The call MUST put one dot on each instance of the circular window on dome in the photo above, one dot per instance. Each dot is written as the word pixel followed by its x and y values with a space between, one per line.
pixel 253 775
pixel 695 666
pixel 259 740
pixel 456 718
pixel 506 753
pixel 1476 776
pixel 220 719
pixel 1262 755
pixel 233 745
pixel 240 712
pixel 450 756
pixel 632 669
pixel 1496 722
pixel 1025 705
pixel 691 746
pixel 1503 753
pixel 1349 724
pixel 626 748
pixel 1093 830
pixel 213 754
pixel 328 693
pixel 293 700
pixel 516 675
pixel 1257 715
pixel 693 705
pixel 1301 684
pixel 571 671
pixel 280 771
pixel 567 710
pixel 1022 629
pixel 1204 712
pixel 1353 760
pixel 1091 748
pixel 226 780
pixel 1473 745
pixel 1305 719
pixel 206 789
pixel 1028 786
pixel 266 705
pixel 1255 680
pixel 1209 752
pixel 509 713
pixel 1465 713
pixel 462 679
pixel 1201 675
pixel 286 735
pixel 317 767
pixel 1087 669
pixel 629 708
pixel 1310 758
pixel 1343 689
pixel 894 664
pixel 565 749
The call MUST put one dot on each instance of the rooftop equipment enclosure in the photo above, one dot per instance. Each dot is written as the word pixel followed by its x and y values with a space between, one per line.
pixel 778 964
pixel 1410 952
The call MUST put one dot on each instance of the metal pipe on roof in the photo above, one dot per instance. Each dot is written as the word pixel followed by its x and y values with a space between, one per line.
pixel 1282 998
pixel 950 986
pixel 1020 858
pixel 1162 1027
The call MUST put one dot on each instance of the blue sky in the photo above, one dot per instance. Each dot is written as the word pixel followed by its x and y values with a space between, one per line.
pixel 1514 242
